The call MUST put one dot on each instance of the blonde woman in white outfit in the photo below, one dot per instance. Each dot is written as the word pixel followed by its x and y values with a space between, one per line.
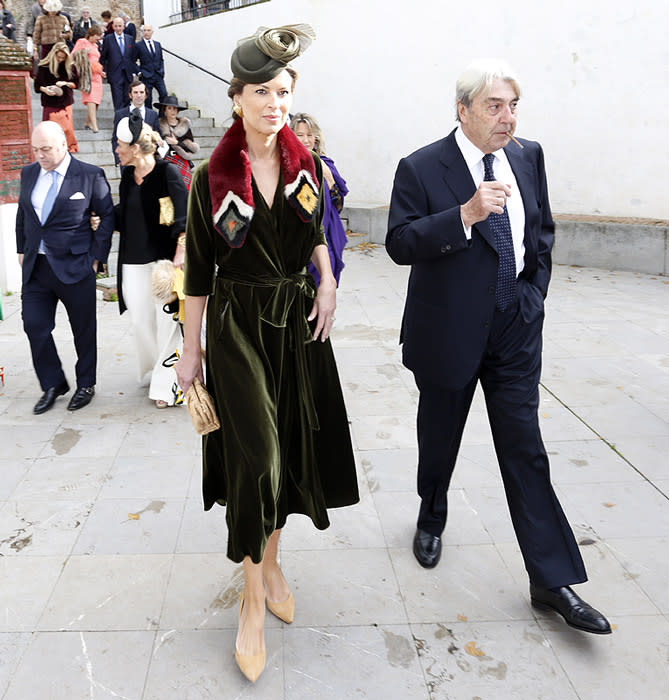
pixel 151 217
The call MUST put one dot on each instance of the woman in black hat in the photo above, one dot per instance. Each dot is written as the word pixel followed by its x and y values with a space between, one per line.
pixel 254 223
pixel 177 133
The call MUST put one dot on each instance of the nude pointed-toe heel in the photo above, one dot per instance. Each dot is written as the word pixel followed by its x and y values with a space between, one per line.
pixel 285 610
pixel 251 665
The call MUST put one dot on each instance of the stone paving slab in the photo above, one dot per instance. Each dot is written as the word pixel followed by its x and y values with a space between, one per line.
pixel 114 582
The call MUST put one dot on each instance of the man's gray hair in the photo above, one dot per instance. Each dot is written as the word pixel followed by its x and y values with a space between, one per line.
pixel 479 76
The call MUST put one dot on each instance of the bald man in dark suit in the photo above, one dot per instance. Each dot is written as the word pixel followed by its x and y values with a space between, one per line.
pixel 59 253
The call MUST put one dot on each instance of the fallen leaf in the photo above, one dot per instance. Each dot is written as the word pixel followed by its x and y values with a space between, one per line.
pixel 462 618
pixel 609 505
pixel 133 516
pixel 473 650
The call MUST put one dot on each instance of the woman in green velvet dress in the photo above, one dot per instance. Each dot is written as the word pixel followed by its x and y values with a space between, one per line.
pixel 254 223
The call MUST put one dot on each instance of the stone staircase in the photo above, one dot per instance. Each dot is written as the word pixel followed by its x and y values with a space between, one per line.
pixel 96 148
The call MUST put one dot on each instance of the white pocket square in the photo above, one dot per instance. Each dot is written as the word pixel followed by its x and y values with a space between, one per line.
pixel 78 195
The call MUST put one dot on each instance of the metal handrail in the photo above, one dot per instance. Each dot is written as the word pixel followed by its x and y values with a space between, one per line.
pixel 194 65
pixel 211 7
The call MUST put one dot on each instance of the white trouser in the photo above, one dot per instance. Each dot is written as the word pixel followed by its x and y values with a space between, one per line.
pixel 158 338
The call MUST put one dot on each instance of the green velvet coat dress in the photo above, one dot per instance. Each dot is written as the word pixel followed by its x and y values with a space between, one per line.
pixel 284 445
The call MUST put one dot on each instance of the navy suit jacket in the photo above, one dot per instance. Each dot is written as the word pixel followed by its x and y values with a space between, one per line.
pixel 150 118
pixel 71 245
pixel 119 68
pixel 151 65
pixel 451 295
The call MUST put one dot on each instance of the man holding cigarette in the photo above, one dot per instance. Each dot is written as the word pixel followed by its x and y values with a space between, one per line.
pixel 470 214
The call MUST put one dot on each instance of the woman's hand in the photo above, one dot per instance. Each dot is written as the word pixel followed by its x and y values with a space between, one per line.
pixel 179 257
pixel 188 367
pixel 171 140
pixel 324 307
pixel 327 175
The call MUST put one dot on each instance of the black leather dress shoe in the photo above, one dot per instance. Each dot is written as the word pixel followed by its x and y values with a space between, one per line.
pixel 49 397
pixel 82 397
pixel 426 548
pixel 576 612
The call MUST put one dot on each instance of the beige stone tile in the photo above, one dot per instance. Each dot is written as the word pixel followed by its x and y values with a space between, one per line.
pixel 64 478
pixel 343 587
pixel 25 586
pixel 645 561
pixel 470 581
pixel 371 662
pixel 41 528
pixel 506 659
pixel 123 592
pixel 12 647
pixel 629 663
pixel 83 665
pixel 398 513
pixel 131 526
pixel 200 665
pixel 166 476
pixel 620 509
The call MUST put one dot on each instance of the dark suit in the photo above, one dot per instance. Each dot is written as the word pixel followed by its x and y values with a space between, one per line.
pixel 120 69
pixel 65 272
pixel 453 336
pixel 150 118
pixel 152 68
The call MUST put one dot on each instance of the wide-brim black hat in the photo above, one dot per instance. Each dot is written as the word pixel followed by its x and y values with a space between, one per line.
pixel 264 55
pixel 169 101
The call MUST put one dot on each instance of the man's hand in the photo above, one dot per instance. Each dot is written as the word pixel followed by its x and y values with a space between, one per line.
pixel 490 197
pixel 95 266
pixel 95 221
pixel 21 259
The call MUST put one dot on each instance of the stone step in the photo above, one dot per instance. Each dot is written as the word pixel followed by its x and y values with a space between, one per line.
pixel 101 142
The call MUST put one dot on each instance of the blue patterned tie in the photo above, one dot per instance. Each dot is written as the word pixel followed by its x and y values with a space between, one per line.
pixel 501 228
pixel 50 198
pixel 120 43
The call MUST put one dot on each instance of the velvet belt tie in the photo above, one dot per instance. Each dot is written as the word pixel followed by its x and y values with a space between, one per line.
pixel 287 308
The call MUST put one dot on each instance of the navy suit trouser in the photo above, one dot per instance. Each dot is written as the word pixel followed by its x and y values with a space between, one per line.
pixel 159 84
pixel 509 374
pixel 40 296
pixel 119 90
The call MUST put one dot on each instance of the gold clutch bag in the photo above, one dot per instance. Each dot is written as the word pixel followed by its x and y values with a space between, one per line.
pixel 201 408
pixel 166 211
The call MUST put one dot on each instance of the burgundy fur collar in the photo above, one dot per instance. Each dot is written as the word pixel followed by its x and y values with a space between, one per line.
pixel 232 204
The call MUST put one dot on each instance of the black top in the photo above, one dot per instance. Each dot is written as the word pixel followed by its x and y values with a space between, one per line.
pixel 45 77
pixel 140 248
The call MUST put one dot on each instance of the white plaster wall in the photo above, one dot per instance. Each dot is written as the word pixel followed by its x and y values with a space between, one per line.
pixel 10 270
pixel 380 79
pixel 157 12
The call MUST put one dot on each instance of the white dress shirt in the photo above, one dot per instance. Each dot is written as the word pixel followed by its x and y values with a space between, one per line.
pixel 502 170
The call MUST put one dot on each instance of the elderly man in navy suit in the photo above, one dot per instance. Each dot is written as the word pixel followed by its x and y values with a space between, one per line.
pixel 151 64
pixel 118 59
pixel 470 214
pixel 137 95
pixel 60 253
